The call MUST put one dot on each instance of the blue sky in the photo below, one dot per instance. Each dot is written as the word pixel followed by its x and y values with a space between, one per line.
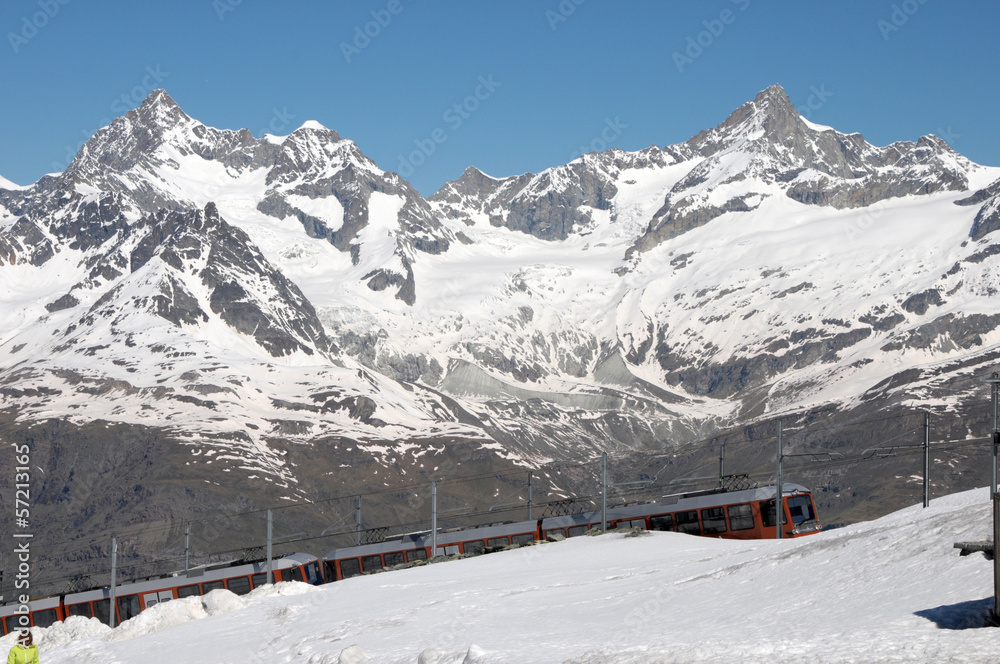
pixel 428 88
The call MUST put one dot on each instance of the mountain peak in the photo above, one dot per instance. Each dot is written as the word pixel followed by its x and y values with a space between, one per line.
pixel 768 115
pixel 158 108
pixel 315 129
pixel 313 124
pixel 769 104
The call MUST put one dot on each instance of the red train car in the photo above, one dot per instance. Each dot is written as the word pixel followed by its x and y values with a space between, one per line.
pixel 747 514
pixel 350 561
pixel 133 597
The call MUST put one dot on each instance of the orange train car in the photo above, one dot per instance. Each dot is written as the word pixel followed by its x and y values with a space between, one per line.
pixel 746 514
pixel 133 597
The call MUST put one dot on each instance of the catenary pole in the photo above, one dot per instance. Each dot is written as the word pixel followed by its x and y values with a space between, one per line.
pixel 604 492
pixel 927 459
pixel 434 519
pixel 114 570
pixel 778 510
pixel 995 615
pixel 270 539
pixel 722 462
pixel 995 384
pixel 529 495
pixel 187 546
pixel 357 523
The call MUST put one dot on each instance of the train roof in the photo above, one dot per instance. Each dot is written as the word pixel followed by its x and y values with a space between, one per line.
pixel 423 539
pixel 193 575
pixel 713 498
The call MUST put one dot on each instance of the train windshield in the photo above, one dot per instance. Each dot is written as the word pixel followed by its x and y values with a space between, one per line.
pixel 801 509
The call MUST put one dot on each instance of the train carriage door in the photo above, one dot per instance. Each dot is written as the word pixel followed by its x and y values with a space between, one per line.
pixel 152 599
pixel 768 516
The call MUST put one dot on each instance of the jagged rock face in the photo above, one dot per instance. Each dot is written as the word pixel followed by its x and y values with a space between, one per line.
pixel 988 217
pixel 556 203
pixel 766 142
pixel 147 156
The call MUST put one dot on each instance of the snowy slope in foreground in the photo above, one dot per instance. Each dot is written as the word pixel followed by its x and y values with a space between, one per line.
pixel 894 590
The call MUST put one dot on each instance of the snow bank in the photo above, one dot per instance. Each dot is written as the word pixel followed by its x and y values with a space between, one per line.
pixel 890 590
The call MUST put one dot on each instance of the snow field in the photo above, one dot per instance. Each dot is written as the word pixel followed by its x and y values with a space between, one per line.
pixel 890 590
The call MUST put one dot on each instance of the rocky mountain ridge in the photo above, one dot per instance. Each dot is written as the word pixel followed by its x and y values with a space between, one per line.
pixel 282 310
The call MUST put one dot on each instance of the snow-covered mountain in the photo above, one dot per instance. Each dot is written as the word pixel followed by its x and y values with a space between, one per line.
pixel 282 308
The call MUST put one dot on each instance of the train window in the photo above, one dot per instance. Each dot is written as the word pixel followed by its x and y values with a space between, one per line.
pixel 662 522
pixel 416 554
pixel 371 563
pixel 188 591
pixel 393 558
pixel 258 580
pixel 687 522
pixel 475 548
pixel 714 520
pixel 80 610
pixel 524 538
pixel 11 622
pixel 740 517
pixel 101 610
pixel 239 585
pixel 767 513
pixel 128 607
pixel 576 531
pixel 349 567
pixel 560 532
pixel 209 586
pixel 497 541
pixel 292 574
pixel 44 618
pixel 801 509
pixel 312 573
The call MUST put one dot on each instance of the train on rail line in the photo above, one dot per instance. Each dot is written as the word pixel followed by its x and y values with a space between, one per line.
pixel 745 514
pixel 133 597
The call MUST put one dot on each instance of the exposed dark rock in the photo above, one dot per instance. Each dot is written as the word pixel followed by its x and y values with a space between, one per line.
pixel 919 303
pixel 814 167
pixel 676 218
pixel 67 301
pixel 738 374
pixel 949 331
pixel 979 256
pixel 883 324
